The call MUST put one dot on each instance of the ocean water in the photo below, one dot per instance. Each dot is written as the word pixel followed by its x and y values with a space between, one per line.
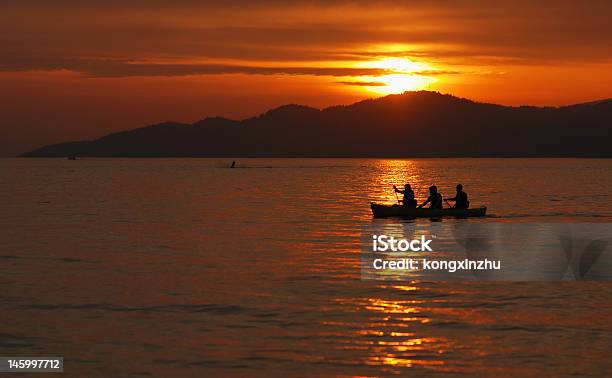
pixel 183 267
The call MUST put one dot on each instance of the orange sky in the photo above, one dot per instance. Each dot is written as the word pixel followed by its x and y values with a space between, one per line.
pixel 81 71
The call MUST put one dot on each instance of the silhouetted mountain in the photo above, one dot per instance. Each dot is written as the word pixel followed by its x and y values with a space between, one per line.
pixel 411 124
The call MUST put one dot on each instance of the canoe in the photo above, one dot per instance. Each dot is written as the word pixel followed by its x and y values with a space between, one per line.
pixel 381 211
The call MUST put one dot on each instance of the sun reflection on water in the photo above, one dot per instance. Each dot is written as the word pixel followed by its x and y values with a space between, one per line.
pixel 396 172
pixel 394 330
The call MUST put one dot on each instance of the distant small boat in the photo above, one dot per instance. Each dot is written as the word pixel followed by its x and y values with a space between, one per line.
pixel 72 157
pixel 381 211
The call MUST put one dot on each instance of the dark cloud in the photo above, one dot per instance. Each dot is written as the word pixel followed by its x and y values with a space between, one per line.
pixel 364 83
pixel 125 68
pixel 435 72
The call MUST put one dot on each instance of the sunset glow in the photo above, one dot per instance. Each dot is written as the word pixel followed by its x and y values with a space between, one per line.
pixel 402 65
pixel 64 66
pixel 404 75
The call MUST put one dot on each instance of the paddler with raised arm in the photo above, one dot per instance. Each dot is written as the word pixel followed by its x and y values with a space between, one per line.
pixel 408 193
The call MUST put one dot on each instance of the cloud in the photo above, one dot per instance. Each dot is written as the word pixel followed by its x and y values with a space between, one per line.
pixel 460 32
pixel 124 39
pixel 364 83
pixel 125 68
pixel 435 72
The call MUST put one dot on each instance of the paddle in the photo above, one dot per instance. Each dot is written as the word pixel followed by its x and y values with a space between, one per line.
pixel 449 205
pixel 396 197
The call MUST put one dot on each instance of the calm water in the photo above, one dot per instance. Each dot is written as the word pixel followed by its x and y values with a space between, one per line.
pixel 182 267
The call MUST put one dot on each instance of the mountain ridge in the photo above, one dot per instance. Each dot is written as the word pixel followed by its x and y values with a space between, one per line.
pixel 411 124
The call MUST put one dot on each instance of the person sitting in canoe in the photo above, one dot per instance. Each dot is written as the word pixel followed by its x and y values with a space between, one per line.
pixel 434 200
pixel 408 193
pixel 461 198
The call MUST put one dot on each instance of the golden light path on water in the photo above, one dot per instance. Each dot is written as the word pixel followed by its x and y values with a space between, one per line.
pixel 398 173
pixel 394 333
pixel 387 352
pixel 391 334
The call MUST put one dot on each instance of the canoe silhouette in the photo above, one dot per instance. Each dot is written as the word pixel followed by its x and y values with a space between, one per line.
pixel 381 211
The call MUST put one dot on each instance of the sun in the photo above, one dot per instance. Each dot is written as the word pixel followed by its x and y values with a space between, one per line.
pixel 399 83
pixel 404 75
pixel 399 65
